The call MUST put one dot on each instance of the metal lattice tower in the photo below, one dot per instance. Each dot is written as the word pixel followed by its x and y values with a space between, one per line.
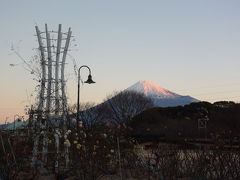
pixel 52 105
pixel 52 99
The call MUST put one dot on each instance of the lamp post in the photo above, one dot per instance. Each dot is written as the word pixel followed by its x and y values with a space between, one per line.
pixel 89 81
pixel 6 121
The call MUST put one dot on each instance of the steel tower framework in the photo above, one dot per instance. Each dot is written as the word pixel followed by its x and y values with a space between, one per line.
pixel 52 105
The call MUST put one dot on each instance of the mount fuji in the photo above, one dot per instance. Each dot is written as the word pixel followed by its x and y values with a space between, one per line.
pixel 161 97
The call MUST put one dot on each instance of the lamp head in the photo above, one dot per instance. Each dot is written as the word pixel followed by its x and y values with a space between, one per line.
pixel 89 81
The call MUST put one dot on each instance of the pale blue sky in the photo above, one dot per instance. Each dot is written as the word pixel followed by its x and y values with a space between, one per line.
pixel 189 47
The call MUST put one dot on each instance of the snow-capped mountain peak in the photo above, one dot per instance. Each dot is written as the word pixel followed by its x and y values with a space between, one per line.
pixel 160 96
pixel 152 90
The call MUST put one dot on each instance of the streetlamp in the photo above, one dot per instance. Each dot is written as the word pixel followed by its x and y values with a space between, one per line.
pixel 6 121
pixel 89 81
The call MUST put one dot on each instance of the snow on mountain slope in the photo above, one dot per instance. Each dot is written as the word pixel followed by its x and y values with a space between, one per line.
pixel 152 90
pixel 160 96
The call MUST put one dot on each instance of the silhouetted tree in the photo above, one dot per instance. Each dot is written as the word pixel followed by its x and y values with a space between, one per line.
pixel 90 114
pixel 122 106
